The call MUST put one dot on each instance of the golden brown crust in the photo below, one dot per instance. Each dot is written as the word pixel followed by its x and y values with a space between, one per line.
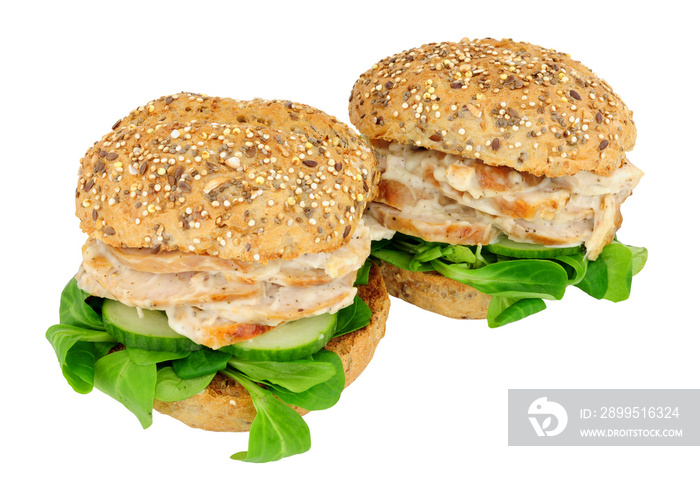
pixel 225 406
pixel 435 293
pixel 244 180
pixel 504 102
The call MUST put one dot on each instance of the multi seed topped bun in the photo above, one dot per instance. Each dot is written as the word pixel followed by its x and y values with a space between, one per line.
pixel 506 103
pixel 246 180
pixel 213 222
pixel 484 140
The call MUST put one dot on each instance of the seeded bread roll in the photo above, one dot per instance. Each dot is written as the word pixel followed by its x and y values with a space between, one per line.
pixel 226 406
pixel 507 103
pixel 244 180
pixel 434 292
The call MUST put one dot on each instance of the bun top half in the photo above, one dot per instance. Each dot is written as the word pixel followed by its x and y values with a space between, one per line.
pixel 507 103
pixel 244 180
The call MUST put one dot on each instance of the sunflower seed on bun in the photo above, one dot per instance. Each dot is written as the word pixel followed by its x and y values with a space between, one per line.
pixel 482 140
pixel 225 272
pixel 246 180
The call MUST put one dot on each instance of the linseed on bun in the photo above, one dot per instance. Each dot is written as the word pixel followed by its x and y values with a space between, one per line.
pixel 506 103
pixel 500 107
pixel 247 180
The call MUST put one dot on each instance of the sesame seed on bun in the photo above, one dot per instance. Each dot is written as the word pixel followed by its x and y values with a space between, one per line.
pixel 506 103
pixel 245 180
pixel 483 141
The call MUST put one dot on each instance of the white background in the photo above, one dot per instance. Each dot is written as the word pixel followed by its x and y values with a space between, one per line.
pixel 427 421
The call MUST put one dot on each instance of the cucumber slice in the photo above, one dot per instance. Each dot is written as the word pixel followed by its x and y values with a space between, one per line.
pixel 150 332
pixel 288 341
pixel 511 248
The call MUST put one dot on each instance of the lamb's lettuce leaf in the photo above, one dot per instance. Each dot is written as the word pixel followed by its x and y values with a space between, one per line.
pixel 277 430
pixel 131 384
pixel 353 317
pixel 526 278
pixel 170 387
pixel 321 396
pixel 76 310
pixel 518 287
pixel 89 357
pixel 504 310
pixel 201 362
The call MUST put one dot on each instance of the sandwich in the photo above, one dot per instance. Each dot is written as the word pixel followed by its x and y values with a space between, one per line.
pixel 503 169
pixel 224 280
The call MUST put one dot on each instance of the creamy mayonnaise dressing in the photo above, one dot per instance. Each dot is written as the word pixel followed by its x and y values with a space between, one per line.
pixel 429 193
pixel 203 295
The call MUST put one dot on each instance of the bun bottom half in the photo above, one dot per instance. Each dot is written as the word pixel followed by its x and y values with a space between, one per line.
pixel 434 292
pixel 226 406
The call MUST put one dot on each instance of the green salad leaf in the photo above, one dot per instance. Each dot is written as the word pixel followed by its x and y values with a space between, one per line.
pixel 201 362
pixel 576 266
pixel 398 258
pixel 131 384
pixel 518 285
pixel 321 396
pixel 529 278
pixel 76 311
pixel 89 357
pixel 170 387
pixel 639 258
pixel 353 317
pixel 77 349
pixel 296 376
pixel 610 276
pixel 362 277
pixel 146 357
pixel 277 430
pixel 502 310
